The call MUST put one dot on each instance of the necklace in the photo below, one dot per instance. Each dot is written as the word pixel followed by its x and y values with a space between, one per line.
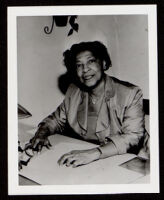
pixel 99 93
pixel 94 100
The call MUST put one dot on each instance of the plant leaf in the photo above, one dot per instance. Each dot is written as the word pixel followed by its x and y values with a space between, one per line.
pixel 72 20
pixel 75 27
pixel 70 32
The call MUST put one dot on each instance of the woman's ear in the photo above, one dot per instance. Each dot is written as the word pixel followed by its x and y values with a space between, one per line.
pixel 104 65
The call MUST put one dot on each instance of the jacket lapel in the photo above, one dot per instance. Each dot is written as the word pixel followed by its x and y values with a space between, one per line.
pixel 103 120
pixel 82 112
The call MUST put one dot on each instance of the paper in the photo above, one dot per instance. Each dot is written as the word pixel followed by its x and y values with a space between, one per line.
pixel 45 170
pixel 138 165
pixel 143 180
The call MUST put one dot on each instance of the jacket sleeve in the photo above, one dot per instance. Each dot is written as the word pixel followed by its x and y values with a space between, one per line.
pixel 132 125
pixel 56 121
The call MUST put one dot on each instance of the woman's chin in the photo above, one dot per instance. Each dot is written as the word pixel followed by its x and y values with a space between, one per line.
pixel 89 85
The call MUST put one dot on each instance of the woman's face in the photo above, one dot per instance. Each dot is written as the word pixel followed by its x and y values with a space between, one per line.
pixel 89 69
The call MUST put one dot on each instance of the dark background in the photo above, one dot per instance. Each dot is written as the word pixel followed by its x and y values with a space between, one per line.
pixel 3 96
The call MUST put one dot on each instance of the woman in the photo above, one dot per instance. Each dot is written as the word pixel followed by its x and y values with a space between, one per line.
pixel 97 107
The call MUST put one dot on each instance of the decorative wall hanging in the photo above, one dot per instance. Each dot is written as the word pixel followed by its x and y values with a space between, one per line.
pixel 62 21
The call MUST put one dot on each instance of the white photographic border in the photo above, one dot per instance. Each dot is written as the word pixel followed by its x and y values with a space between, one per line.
pixel 13 184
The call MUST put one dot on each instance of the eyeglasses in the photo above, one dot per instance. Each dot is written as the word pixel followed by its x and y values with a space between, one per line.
pixel 25 155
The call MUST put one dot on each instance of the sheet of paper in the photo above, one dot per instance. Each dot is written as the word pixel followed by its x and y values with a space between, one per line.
pixel 138 165
pixel 143 180
pixel 44 169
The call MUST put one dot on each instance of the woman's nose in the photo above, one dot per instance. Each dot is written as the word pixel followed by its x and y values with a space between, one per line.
pixel 85 68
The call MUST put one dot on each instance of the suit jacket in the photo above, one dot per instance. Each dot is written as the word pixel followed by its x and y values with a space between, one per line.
pixel 120 120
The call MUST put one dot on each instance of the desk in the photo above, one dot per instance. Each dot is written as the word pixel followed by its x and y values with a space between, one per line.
pixel 43 168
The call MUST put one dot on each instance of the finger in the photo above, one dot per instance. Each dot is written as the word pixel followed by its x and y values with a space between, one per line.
pixel 37 141
pixel 63 159
pixel 40 148
pixel 77 163
pixel 40 145
pixel 31 143
pixel 70 161
pixel 47 144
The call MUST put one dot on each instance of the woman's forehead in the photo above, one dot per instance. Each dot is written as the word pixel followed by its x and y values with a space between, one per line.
pixel 84 54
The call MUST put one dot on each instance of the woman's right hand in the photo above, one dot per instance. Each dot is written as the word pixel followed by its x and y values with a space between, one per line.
pixel 40 139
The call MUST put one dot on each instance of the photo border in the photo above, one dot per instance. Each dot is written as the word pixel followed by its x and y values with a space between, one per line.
pixel 3 93
pixel 13 13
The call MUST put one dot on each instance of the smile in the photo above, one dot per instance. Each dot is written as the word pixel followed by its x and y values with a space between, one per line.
pixel 86 78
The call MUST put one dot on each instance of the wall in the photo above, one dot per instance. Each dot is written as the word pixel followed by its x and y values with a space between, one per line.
pixel 40 55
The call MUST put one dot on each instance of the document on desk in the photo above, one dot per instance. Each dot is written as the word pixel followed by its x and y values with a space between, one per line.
pixel 138 164
pixel 44 169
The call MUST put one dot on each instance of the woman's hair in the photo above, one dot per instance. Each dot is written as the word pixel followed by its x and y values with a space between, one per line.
pixel 97 48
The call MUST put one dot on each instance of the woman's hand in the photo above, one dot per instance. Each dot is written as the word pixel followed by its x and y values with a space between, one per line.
pixel 79 157
pixel 39 140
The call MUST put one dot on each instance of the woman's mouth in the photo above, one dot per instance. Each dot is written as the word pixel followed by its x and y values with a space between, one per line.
pixel 86 78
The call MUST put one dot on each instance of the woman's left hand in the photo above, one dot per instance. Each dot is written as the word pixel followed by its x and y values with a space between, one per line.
pixel 79 157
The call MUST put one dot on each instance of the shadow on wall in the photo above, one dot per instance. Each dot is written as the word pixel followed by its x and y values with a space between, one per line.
pixel 64 81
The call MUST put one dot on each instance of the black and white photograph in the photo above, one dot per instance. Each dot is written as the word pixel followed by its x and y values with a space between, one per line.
pixel 82 100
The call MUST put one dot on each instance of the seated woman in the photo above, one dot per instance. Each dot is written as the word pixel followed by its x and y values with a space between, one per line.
pixel 97 107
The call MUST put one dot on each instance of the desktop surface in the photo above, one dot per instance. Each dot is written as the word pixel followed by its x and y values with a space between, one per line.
pixel 43 168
